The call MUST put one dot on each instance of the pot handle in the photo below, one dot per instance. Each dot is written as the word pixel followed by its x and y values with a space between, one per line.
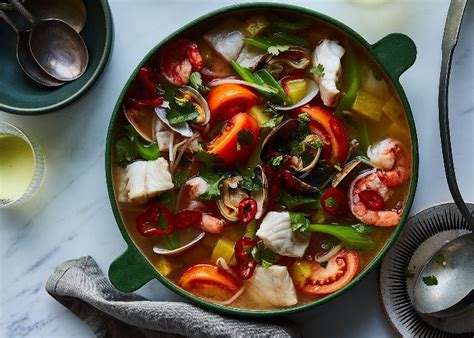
pixel 396 52
pixel 130 271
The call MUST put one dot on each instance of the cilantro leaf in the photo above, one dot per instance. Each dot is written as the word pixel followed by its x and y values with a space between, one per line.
pixel 179 179
pixel 299 222
pixel 276 161
pixel 251 182
pixel 275 50
pixel 125 150
pixel 244 138
pixel 207 158
pixel 315 144
pixel 214 180
pixel 430 280
pixel 264 256
pixel 269 110
pixel 129 147
pixel 318 70
pixel 195 80
pixel 440 259
pixel 292 201
pixel 273 122
pixel 186 112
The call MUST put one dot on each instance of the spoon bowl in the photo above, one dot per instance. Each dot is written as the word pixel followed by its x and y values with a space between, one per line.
pixel 451 269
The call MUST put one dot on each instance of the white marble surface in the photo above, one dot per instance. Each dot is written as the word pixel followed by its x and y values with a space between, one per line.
pixel 71 215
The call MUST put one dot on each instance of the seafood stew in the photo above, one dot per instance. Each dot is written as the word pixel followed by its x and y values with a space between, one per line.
pixel 261 162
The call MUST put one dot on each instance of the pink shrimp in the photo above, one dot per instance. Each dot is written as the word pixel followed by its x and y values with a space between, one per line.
pixel 179 59
pixel 194 188
pixel 393 161
pixel 371 181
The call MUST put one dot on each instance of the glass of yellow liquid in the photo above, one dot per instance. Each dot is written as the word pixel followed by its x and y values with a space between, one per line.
pixel 21 166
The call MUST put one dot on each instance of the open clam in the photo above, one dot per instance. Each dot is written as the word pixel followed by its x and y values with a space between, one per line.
pixel 350 170
pixel 181 128
pixel 142 119
pixel 171 252
pixel 198 101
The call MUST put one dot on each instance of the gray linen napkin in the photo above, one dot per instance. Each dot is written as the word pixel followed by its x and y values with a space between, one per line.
pixel 80 286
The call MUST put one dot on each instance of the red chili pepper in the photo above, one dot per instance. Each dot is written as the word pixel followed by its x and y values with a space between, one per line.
pixel 187 218
pixel 334 202
pixel 149 223
pixel 247 210
pixel 245 263
pixel 372 199
pixel 148 78
pixel 145 102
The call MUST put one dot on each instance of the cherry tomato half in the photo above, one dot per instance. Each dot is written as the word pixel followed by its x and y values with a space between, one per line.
pixel 335 202
pixel 372 199
pixel 229 99
pixel 247 210
pixel 332 127
pixel 339 271
pixel 226 145
pixel 207 280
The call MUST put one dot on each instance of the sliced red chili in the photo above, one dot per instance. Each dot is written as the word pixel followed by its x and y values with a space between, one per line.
pixel 334 202
pixel 247 210
pixel 149 223
pixel 188 218
pixel 246 264
pixel 372 199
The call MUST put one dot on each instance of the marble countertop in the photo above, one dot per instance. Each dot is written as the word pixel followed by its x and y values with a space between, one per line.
pixel 71 215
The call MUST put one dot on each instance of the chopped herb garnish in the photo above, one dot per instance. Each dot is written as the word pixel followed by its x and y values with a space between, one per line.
pixel 276 161
pixel 195 80
pixel 273 122
pixel 125 150
pixel 264 256
pixel 184 113
pixel 292 201
pixel 179 179
pixel 409 274
pixel 330 202
pixel 244 138
pixel 251 182
pixel 315 144
pixel 318 70
pixel 440 259
pixel 180 101
pixel 430 280
pixel 295 147
pixel 214 180
pixel 275 50
pixel 299 222
pixel 269 110
pixel 324 264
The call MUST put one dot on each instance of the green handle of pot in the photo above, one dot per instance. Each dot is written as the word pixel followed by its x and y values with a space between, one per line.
pixel 130 271
pixel 396 52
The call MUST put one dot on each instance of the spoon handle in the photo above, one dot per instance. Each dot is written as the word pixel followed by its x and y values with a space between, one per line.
pixel 24 12
pixel 4 16
pixel 450 39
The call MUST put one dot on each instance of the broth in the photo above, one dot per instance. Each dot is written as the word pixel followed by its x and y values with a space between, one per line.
pixel 376 108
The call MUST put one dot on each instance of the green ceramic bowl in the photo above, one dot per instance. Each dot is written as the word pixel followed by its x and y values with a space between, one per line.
pixel 395 53
pixel 21 95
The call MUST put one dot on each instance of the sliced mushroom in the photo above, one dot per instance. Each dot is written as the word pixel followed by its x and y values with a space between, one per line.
pixel 231 195
pixel 199 102
pixel 142 119
pixel 295 58
pixel 261 196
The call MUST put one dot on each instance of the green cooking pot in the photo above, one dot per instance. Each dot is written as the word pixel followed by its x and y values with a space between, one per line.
pixel 395 53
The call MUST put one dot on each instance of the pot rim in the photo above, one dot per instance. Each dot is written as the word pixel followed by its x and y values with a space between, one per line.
pixel 409 201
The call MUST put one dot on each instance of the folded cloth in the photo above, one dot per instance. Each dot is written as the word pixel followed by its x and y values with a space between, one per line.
pixel 80 286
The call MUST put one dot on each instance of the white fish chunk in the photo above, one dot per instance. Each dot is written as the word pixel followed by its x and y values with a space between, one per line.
pixel 328 54
pixel 273 286
pixel 277 235
pixel 227 39
pixel 146 179
pixel 120 175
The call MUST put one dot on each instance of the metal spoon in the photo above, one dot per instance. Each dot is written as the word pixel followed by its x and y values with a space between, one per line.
pixel 59 50
pixel 72 12
pixel 454 292
pixel 26 60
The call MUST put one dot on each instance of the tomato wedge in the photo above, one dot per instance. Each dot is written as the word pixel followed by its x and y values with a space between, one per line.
pixel 227 146
pixel 207 280
pixel 322 119
pixel 339 271
pixel 228 99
